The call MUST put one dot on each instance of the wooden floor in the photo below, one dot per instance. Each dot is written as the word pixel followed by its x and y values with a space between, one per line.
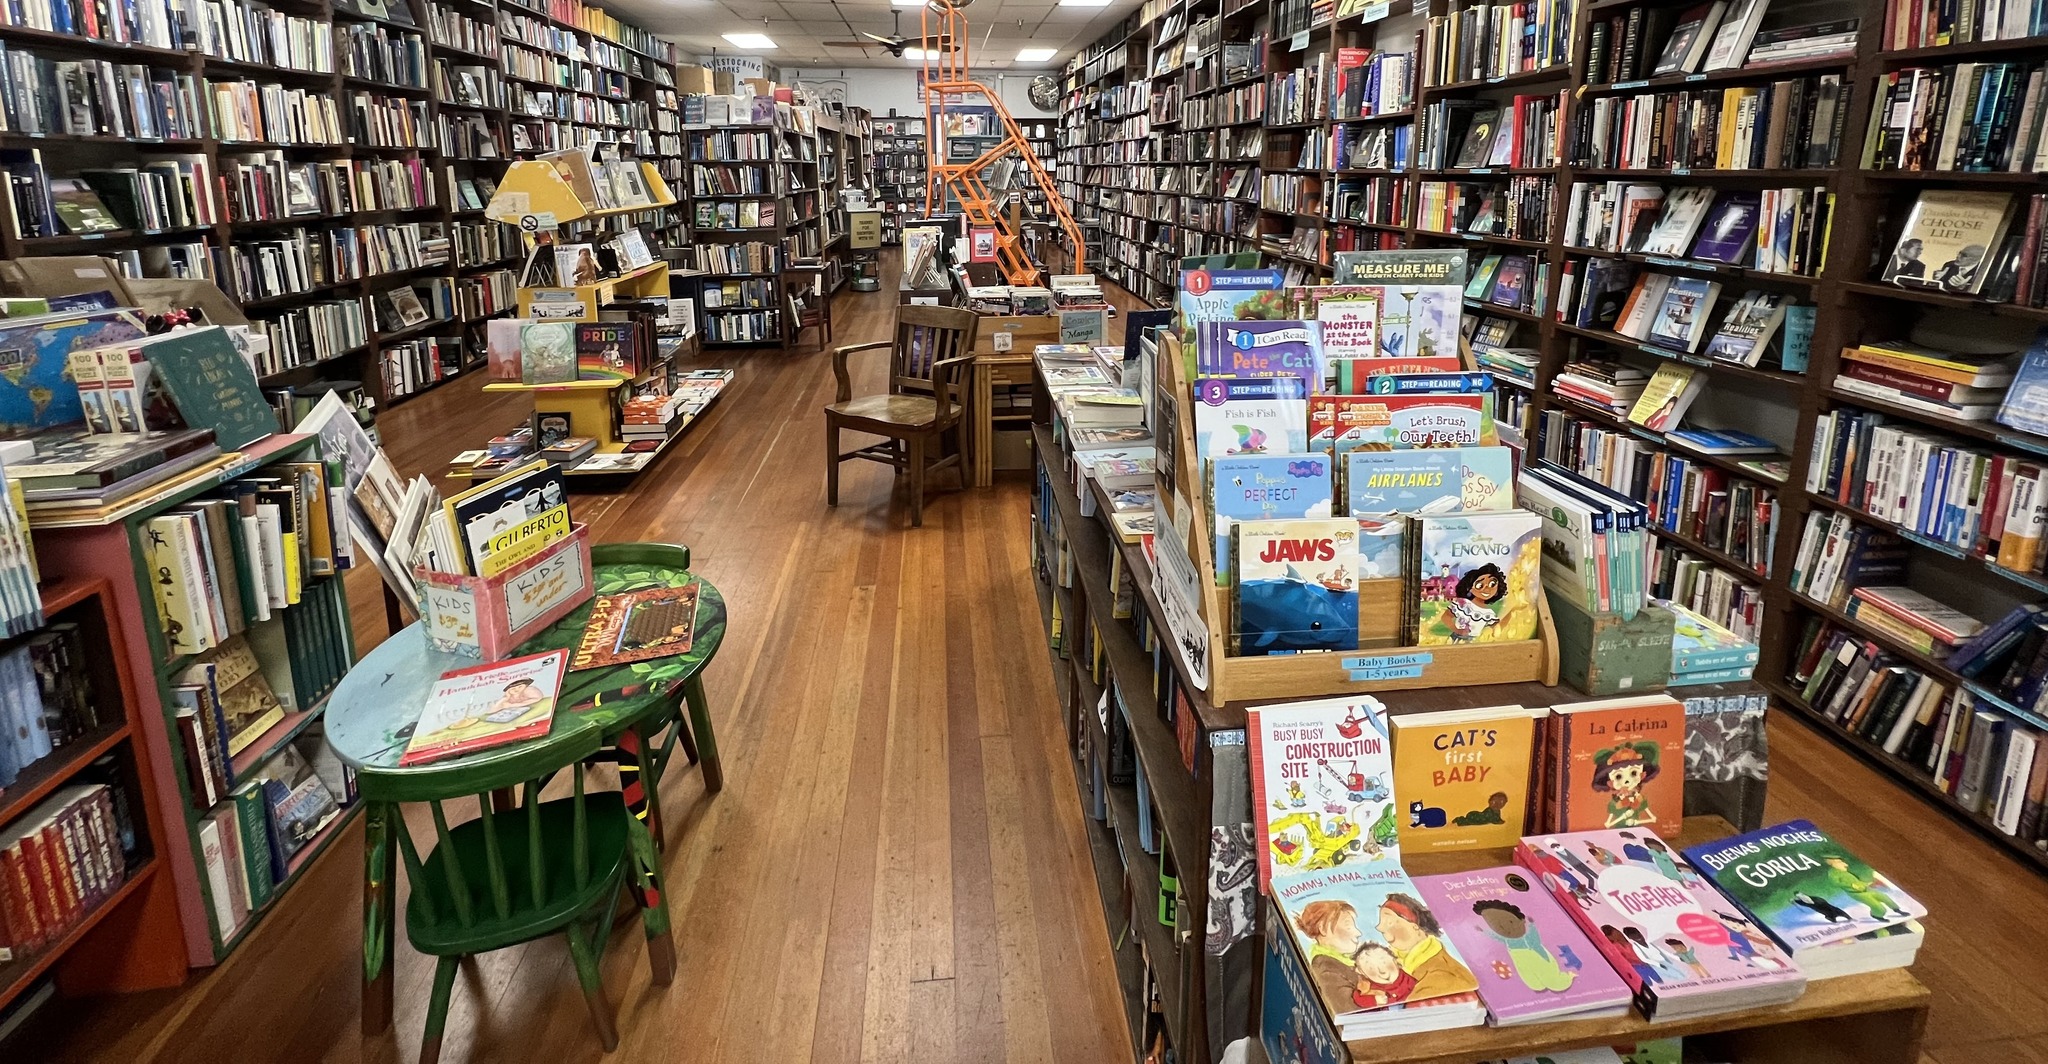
pixel 895 870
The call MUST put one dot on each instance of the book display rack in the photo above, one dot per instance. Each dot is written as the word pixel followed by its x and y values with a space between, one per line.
pixel 329 174
pixel 1283 132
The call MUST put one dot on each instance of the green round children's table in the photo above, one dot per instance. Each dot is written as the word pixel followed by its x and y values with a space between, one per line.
pixel 371 714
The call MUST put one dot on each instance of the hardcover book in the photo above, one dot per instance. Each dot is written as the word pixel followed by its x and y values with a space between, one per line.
pixel 548 352
pixel 1682 316
pixel 1478 576
pixel 1296 585
pixel 1511 282
pixel 1948 240
pixel 654 622
pixel 1668 933
pixel 1533 961
pixel 1803 886
pixel 1729 232
pixel 486 706
pixel 502 347
pixel 1322 775
pixel 604 351
pixel 1372 942
pixel 1747 330
pixel 1282 348
pixel 1421 297
pixel 498 517
pixel 1464 776
pixel 1263 487
pixel 1685 209
pixel 1621 764
pixel 212 384
pixel 1349 325
pixel 1416 482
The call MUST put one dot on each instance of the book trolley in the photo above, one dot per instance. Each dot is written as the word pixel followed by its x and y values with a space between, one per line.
pixel 1139 661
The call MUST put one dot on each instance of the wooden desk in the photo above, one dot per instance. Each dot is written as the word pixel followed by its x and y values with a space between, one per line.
pixel 1006 361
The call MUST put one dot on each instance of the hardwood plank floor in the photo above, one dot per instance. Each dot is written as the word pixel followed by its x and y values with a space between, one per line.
pixel 897 869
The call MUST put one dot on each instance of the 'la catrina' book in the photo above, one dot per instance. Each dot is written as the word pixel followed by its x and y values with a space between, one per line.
pixel 1254 487
pixel 1533 961
pixel 1805 888
pixel 1463 776
pixel 1296 585
pixel 1623 761
pixel 1478 577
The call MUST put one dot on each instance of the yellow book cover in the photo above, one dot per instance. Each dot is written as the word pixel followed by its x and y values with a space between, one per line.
pixel 1463 776
pixel 1665 398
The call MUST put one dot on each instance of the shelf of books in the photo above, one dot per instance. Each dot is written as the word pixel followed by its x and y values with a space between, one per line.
pixel 899 168
pixel 1835 429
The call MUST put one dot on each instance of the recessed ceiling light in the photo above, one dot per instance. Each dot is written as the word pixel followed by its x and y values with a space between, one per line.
pixel 750 40
pixel 1036 55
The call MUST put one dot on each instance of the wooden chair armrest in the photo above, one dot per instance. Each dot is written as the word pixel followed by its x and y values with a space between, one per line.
pixel 942 373
pixel 839 365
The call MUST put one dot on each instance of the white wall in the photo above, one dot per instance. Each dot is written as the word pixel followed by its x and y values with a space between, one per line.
pixel 878 89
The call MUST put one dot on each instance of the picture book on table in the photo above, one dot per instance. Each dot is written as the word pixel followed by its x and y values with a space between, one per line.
pixel 1261 487
pixel 1296 585
pixel 1342 423
pixel 1250 415
pixel 485 706
pixel 1421 297
pixel 1532 960
pixel 631 626
pixel 1283 348
pixel 1803 886
pixel 1672 937
pixel 1463 776
pixel 1623 764
pixel 1229 295
pixel 1479 577
pixel 604 351
pixel 1322 776
pixel 1371 942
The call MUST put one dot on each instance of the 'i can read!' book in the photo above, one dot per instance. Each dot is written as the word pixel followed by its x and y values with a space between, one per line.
pixel 1804 887
pixel 1479 575
pixel 1297 585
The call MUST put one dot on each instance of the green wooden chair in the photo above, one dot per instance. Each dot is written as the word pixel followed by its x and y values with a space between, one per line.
pixel 515 875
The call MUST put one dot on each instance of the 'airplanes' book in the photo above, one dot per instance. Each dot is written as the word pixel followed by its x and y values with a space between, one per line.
pixel 1479 577
pixel 1296 585
pixel 1673 938
pixel 1533 962
pixel 1805 888
pixel 1262 487
pixel 1260 349
pixel 1322 786
pixel 1254 415
pixel 1623 762
pixel 1429 481
pixel 1463 776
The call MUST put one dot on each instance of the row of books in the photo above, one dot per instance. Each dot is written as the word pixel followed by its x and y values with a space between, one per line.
pixel 58 862
pixel 313 332
pixel 245 32
pixel 1792 124
pixel 268 186
pixel 1969 117
pixel 47 701
pixel 1676 313
pixel 1519 208
pixel 411 366
pixel 375 52
pixel 96 98
pixel 1782 230
pixel 1491 41
pixel 1910 25
pixel 1474 134
pixel 158 196
pixel 250 847
pixel 1647 41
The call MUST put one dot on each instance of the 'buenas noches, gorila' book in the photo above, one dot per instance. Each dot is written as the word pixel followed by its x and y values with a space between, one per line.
pixel 1262 487
pixel 1532 961
pixel 1672 937
pixel 1260 349
pixel 1479 575
pixel 1805 888
pixel 1297 585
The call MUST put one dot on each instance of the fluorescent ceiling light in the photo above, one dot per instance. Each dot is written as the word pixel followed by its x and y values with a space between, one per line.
pixel 1086 3
pixel 907 3
pixel 751 40
pixel 1036 55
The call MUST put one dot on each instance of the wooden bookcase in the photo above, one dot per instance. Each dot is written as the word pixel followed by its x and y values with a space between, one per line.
pixel 900 165
pixel 1148 230
pixel 129 940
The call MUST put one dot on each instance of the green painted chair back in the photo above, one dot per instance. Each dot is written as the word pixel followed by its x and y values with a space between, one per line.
pixel 665 555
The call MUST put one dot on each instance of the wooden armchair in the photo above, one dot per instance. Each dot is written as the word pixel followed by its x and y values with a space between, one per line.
pixel 922 404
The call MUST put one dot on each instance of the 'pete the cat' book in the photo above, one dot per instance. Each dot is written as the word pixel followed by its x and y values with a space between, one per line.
pixel 1253 487
pixel 1624 764
pixel 1463 776
pixel 1804 887
pixel 1479 577
pixel 1533 962
pixel 1297 585
pixel 1260 349
pixel 1672 937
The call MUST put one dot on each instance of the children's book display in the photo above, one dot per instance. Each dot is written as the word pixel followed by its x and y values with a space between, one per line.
pixel 494 564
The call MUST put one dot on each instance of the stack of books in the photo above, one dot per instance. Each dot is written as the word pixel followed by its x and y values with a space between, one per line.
pixel 1826 907
pixel 1703 652
pixel 1928 380
pixel 1605 385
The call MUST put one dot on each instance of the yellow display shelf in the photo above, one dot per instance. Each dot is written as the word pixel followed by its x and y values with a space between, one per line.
pixel 536 197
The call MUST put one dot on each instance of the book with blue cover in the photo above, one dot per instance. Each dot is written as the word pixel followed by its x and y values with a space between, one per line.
pixel 1228 295
pixel 2026 400
pixel 1682 317
pixel 1250 415
pixel 1441 480
pixel 1296 585
pixel 1285 348
pixel 1730 228
pixel 1262 487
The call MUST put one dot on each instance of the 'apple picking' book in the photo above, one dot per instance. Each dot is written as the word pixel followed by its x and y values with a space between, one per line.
pixel 1669 934
pixel 1532 961
pixel 1256 415
pixel 1808 890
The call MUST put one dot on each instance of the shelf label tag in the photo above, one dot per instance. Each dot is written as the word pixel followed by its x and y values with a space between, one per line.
pixel 1620 85
pixel 1387 666
pixel 1297 42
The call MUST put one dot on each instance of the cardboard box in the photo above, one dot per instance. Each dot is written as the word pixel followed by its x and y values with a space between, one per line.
pixel 696 79
pixel 70 275
pixel 1605 655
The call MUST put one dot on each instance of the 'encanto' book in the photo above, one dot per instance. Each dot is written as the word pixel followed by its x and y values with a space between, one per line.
pixel 1814 895
pixel 1262 487
pixel 1533 962
pixel 484 706
pixel 1668 933
pixel 1478 577
pixel 1296 585
pixel 653 622
pixel 1464 776
pixel 1620 763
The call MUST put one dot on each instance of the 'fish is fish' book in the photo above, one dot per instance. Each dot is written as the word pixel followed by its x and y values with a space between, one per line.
pixel 1296 585
pixel 1479 576
pixel 1262 487
pixel 1671 936
pixel 1254 415
pixel 1533 962
pixel 1808 890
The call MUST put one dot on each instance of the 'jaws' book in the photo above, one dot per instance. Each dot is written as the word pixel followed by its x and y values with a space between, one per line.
pixel 1533 962
pixel 1297 585
pixel 1682 948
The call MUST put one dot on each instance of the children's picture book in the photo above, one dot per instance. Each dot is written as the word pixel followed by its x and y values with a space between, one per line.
pixel 1339 424
pixel 1293 1024
pixel 1463 776
pixel 1322 786
pixel 1372 942
pixel 1297 585
pixel 502 344
pixel 1479 576
pixel 1803 886
pixel 1261 487
pixel 1421 297
pixel 1355 376
pixel 654 622
pixel 1949 239
pixel 1664 400
pixel 1442 480
pixel 484 706
pixel 1229 295
pixel 1532 960
pixel 1672 937
pixel 1260 349
pixel 1349 325
pixel 604 351
pixel 495 516
pixel 1250 415
pixel 1682 316
pixel 1622 764
pixel 576 264
pixel 547 352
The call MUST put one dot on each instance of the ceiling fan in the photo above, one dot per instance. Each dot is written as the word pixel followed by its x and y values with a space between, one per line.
pixel 895 43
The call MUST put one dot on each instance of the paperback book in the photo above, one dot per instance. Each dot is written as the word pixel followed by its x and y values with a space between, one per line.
pixel 1296 585
pixel 632 626
pixel 1260 349
pixel 1229 295
pixel 485 706
pixel 1255 415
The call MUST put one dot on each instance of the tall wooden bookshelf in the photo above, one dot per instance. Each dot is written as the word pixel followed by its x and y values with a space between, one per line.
pixel 593 72
pixel 738 171
pixel 1162 185
pixel 900 164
